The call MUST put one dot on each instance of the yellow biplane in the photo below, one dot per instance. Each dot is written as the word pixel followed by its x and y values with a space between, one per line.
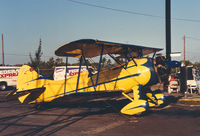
pixel 135 74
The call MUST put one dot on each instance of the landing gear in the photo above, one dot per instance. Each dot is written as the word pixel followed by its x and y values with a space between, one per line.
pixel 135 107
pixel 138 105
pixel 155 98
pixel 3 86
pixel 143 101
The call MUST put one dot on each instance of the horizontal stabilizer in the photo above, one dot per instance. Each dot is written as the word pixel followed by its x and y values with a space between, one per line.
pixel 34 94
pixel 15 94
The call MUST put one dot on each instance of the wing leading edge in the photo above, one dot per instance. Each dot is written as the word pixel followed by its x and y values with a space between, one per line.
pixel 91 48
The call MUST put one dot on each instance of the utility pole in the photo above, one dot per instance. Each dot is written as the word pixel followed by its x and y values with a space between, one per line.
pixel 184 73
pixel 2 50
pixel 184 48
pixel 168 29
pixel 168 37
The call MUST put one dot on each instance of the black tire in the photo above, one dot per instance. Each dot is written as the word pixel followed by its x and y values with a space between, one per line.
pixel 3 86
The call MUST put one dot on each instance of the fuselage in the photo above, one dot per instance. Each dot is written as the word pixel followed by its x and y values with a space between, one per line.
pixel 141 72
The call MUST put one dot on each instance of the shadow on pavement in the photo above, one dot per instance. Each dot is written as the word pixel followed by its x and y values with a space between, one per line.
pixel 59 121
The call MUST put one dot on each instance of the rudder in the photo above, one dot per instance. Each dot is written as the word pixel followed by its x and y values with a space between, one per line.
pixel 26 74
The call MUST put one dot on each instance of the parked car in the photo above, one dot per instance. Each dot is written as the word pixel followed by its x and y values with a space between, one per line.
pixel 59 72
pixel 8 76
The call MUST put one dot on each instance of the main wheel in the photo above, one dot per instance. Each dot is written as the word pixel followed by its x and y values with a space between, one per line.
pixel 3 86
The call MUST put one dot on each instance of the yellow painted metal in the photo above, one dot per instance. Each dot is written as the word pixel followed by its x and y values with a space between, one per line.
pixel 127 96
pixel 111 79
pixel 156 99
pixel 135 107
pixel 152 102
pixel 160 98
pixel 28 79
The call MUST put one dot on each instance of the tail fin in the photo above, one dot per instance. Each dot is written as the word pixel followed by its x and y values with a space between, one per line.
pixel 26 74
pixel 24 88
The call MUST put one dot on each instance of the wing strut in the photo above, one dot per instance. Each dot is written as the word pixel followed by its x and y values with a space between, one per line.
pixel 132 57
pixel 65 75
pixel 90 74
pixel 154 54
pixel 79 72
pixel 114 59
pixel 140 53
pixel 126 57
pixel 99 66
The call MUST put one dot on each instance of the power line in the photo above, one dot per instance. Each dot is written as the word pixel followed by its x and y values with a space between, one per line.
pixel 193 38
pixel 188 20
pixel 132 12
pixel 114 9
pixel 24 55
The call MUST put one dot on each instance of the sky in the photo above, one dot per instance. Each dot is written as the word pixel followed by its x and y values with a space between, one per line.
pixel 56 22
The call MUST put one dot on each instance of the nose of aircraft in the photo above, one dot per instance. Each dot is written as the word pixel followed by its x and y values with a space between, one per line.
pixel 153 77
pixel 163 67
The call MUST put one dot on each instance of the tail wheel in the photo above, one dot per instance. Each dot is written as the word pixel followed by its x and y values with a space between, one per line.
pixel 3 86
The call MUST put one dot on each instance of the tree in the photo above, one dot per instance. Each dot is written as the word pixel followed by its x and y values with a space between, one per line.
pixel 35 62
pixel 59 62
pixel 197 65
pixel 187 63
pixel 50 63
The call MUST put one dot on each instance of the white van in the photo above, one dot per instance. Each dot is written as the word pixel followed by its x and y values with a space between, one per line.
pixel 59 72
pixel 8 76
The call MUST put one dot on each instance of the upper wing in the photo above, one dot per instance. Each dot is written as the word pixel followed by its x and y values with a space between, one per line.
pixel 92 48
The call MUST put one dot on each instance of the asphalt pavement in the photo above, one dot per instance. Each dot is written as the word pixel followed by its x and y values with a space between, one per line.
pixel 97 118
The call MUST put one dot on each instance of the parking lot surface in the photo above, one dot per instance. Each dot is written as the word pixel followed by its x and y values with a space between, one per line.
pixel 96 118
